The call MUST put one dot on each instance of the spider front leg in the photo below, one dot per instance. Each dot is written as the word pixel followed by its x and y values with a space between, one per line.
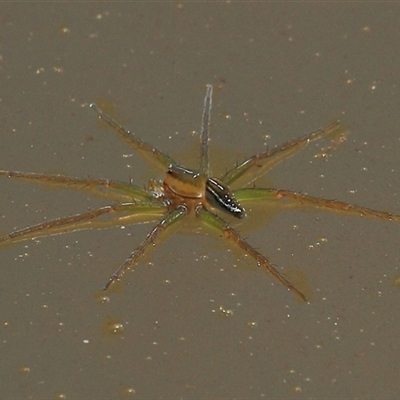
pixel 161 159
pixel 171 218
pixel 204 135
pixel 301 200
pixel 112 190
pixel 148 212
pixel 218 223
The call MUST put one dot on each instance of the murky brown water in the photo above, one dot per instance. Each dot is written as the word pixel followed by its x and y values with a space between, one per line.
pixel 186 323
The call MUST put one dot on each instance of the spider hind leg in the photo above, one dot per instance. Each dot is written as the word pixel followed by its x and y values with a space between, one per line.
pixel 229 233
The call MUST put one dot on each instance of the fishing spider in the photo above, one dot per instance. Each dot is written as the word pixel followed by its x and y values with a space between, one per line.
pixel 183 191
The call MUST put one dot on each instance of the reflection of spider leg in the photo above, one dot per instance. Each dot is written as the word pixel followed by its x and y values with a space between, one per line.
pixel 118 191
pixel 218 223
pixel 301 200
pixel 163 160
pixel 141 211
pixel 260 163
pixel 161 226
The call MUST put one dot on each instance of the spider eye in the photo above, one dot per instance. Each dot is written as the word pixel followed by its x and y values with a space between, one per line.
pixel 220 196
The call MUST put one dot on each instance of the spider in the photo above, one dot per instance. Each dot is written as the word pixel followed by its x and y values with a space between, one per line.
pixel 184 191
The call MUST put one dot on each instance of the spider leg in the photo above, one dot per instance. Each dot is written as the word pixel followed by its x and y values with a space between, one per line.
pixel 161 226
pixel 162 160
pixel 117 191
pixel 230 234
pixel 146 212
pixel 204 136
pixel 260 163
pixel 295 199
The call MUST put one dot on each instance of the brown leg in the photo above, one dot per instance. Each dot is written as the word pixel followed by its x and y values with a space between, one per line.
pixel 161 226
pixel 80 221
pixel 230 234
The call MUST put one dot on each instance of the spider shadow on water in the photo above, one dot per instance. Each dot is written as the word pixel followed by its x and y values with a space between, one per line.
pixel 185 192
